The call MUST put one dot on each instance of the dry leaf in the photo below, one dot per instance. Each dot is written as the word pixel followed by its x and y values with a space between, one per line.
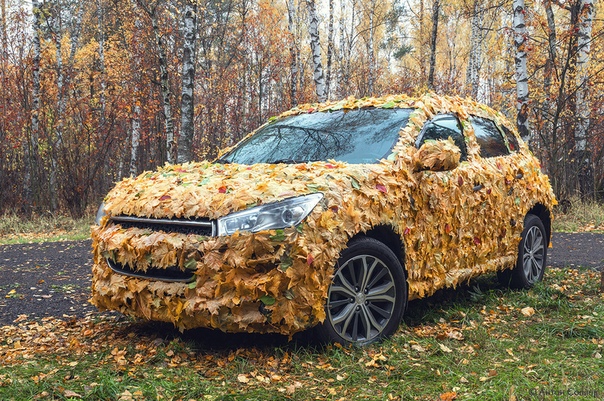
pixel 277 280
pixel 528 311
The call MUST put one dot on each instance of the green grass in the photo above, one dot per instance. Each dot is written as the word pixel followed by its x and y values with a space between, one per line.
pixel 479 342
pixel 581 216
pixel 15 229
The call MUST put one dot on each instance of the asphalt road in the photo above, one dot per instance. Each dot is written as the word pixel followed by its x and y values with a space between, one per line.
pixel 53 278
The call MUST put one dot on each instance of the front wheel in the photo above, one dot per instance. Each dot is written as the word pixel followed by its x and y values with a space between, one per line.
pixel 532 256
pixel 367 295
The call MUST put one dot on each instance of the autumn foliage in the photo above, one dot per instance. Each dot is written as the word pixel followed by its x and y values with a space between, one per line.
pixel 89 106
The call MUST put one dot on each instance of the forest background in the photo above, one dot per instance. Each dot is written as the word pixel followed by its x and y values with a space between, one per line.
pixel 93 91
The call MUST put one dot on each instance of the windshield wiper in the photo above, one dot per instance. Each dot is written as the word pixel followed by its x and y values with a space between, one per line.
pixel 290 161
pixel 286 161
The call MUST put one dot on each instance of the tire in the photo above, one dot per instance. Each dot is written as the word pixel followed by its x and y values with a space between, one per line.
pixel 367 295
pixel 532 256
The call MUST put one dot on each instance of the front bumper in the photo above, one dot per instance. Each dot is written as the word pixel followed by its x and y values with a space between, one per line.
pixel 267 282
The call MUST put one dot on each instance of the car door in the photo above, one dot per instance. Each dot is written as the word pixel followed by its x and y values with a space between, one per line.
pixel 452 215
pixel 503 166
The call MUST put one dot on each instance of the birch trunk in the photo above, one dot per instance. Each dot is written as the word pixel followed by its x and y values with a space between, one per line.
pixel 370 49
pixel 315 45
pixel 341 52
pixel 31 146
pixel 475 58
pixel 135 139
pixel 552 56
pixel 434 35
pixel 57 143
pixel 329 49
pixel 102 98
pixel 293 52
pixel 586 13
pixel 166 93
pixel 522 91
pixel 187 127
pixel 584 33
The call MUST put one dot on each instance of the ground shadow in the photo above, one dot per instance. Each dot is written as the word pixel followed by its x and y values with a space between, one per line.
pixel 430 309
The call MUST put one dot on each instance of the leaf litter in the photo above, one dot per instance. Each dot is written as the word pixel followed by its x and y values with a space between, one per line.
pixel 120 345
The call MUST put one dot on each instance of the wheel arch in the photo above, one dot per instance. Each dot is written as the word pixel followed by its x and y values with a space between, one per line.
pixel 545 216
pixel 388 236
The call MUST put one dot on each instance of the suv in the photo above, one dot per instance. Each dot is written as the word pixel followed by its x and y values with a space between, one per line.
pixel 331 215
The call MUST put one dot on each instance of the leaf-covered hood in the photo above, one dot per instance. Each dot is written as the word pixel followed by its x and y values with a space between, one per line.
pixel 212 190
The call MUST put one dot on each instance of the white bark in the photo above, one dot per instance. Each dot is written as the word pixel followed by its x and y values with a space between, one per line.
pixel 57 143
pixel 31 146
pixel 102 97
pixel 293 52
pixel 475 58
pixel 166 93
pixel 585 21
pixel 522 91
pixel 187 127
pixel 315 45
pixel 341 50
pixel 370 49
pixel 135 139
pixel 330 48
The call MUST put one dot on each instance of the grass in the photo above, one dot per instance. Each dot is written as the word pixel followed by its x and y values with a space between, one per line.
pixel 580 216
pixel 479 342
pixel 41 228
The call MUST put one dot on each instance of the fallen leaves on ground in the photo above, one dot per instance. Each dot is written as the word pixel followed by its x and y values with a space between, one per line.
pixel 129 348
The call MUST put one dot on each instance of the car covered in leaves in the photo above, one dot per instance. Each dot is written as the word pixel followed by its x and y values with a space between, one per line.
pixel 331 215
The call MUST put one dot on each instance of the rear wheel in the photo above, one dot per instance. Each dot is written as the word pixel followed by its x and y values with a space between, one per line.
pixel 532 256
pixel 367 295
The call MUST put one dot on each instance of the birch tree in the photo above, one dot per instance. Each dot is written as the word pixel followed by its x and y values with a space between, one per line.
pixel 315 45
pixel 330 48
pixel 370 49
pixel 475 57
pixel 522 90
pixel 31 145
pixel 293 52
pixel 135 138
pixel 152 12
pixel 584 32
pixel 187 127
pixel 433 37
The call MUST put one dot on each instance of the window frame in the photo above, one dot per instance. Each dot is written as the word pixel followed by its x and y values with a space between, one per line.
pixel 463 138
pixel 485 152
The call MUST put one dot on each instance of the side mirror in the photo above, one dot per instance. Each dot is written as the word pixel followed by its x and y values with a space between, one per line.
pixel 437 155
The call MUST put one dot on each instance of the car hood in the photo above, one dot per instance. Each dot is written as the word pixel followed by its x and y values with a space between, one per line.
pixel 212 190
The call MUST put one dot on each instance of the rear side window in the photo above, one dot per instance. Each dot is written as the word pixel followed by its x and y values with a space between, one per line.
pixel 512 140
pixel 441 127
pixel 489 137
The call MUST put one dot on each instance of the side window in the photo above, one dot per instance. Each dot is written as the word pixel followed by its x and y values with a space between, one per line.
pixel 512 140
pixel 489 138
pixel 441 127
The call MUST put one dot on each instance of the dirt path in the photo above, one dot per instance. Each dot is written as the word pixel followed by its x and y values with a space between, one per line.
pixel 53 278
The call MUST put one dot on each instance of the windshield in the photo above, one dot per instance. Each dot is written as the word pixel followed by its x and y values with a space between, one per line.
pixel 352 136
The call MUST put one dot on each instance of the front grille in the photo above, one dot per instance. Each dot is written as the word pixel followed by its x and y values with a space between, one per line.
pixel 206 228
pixel 171 274
pixel 183 226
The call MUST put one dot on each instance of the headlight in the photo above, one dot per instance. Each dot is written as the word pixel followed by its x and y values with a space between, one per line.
pixel 100 214
pixel 287 213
